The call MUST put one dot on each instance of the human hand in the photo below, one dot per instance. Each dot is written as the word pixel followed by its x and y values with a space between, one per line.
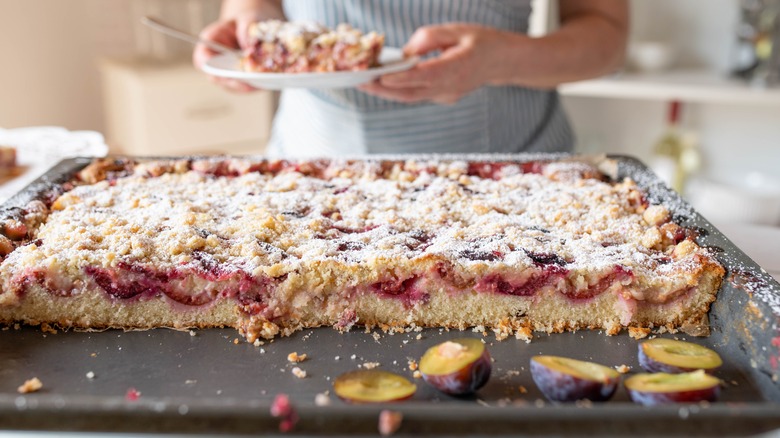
pixel 231 33
pixel 470 58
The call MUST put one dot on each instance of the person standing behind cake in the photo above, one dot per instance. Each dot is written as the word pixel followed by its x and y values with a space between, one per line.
pixel 483 85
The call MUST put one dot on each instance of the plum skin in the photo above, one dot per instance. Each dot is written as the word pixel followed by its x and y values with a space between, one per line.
pixel 658 398
pixel 562 387
pixel 649 390
pixel 466 380
pixel 652 365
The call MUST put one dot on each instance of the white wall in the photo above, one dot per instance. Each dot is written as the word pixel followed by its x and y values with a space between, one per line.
pixel 50 49
pixel 734 138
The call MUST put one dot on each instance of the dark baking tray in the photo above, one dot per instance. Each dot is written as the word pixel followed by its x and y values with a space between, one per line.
pixel 211 381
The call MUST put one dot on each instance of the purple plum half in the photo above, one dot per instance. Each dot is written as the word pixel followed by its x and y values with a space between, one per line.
pixel 662 388
pixel 457 367
pixel 567 380
pixel 669 356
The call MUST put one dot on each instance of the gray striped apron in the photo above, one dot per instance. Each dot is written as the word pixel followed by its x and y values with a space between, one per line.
pixel 350 122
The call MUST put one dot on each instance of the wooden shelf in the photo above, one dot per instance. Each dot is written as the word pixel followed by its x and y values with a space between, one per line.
pixel 685 85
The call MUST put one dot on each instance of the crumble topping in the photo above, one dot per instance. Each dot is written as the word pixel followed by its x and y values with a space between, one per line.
pixel 277 224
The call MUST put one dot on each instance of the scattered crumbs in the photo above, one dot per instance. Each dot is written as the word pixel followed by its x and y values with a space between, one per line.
pixel 190 382
pixel 295 357
pixel 353 357
pixel 623 369
pixel 322 399
pixel 219 392
pixel 417 374
pixel 192 333
pixel 418 337
pixel 235 341
pixel 522 389
pixel 90 375
pixel 492 359
pixel 478 329
pixel 405 341
pixel 132 394
pixel 46 328
pixel 418 329
pixel 735 383
pixel 31 385
pixel 369 365
pixel 504 402
pixel 683 413
pixel 483 403
pixel 17 327
pixel 337 358
pixel 257 343
pixel 483 341
pixel 377 337
pixel 753 363
pixel 395 362
pixel 299 373
pixel 262 351
pixel 584 403
pixel 638 332
pixel 412 364
pixel 389 422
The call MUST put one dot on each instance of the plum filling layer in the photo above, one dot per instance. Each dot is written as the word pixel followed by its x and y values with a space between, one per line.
pixel 129 282
pixel 410 290
pixel 496 283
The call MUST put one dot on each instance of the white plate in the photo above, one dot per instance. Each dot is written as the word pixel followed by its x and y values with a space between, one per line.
pixel 391 60
pixel 40 147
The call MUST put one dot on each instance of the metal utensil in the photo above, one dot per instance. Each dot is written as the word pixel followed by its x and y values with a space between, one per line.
pixel 160 26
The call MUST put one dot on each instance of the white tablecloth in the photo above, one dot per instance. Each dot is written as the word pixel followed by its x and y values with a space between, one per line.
pixel 41 147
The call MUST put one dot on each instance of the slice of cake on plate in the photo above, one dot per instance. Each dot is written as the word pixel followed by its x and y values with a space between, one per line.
pixel 303 47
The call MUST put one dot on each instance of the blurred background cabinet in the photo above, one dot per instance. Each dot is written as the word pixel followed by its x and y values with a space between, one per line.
pixel 157 107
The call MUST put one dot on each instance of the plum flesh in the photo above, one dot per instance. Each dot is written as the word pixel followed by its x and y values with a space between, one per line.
pixel 662 388
pixel 669 356
pixel 373 386
pixel 457 367
pixel 566 380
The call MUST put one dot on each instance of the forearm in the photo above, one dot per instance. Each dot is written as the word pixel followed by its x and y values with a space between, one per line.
pixel 262 9
pixel 586 46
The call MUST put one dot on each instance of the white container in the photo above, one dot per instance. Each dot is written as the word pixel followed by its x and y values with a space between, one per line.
pixel 751 198
pixel 651 56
